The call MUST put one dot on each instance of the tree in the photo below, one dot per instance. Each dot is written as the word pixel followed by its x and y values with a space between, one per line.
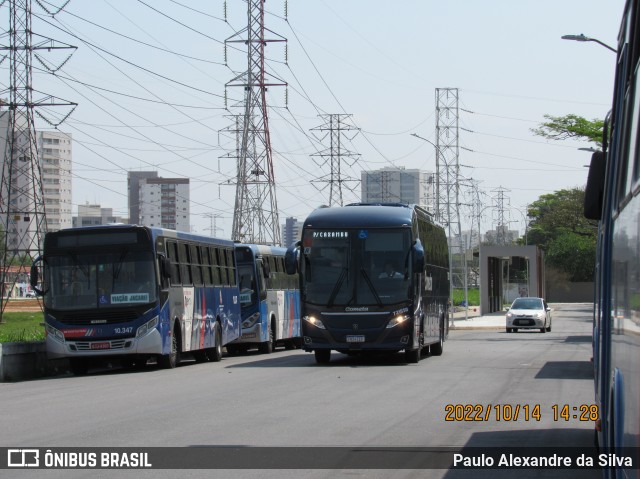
pixel 558 226
pixel 571 126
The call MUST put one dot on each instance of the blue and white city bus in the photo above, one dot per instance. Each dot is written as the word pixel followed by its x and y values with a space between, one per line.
pixel 612 197
pixel 135 293
pixel 270 300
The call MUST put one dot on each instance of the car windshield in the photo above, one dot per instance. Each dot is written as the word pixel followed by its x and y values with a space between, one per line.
pixel 527 303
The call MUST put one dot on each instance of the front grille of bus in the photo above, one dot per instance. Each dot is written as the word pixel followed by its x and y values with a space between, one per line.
pixel 98 317
pixel 113 344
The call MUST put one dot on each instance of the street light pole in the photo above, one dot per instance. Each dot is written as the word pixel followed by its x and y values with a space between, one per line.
pixel 583 38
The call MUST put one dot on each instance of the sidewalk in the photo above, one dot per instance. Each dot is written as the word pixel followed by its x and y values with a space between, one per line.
pixel 471 319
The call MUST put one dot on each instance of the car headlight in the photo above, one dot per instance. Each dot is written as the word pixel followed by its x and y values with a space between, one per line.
pixel 509 315
pixel 397 320
pixel 316 322
pixel 146 327
pixel 251 320
pixel 540 315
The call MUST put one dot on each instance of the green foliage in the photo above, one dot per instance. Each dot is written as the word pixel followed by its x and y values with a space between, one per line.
pixel 559 227
pixel 571 126
pixel 472 293
pixel 573 254
pixel 21 327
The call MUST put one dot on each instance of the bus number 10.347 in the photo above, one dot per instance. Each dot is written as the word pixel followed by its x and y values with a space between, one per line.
pixel 488 412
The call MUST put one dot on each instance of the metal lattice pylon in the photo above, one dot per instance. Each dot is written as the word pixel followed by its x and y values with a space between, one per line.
pixel 255 217
pixel 448 180
pixel 336 128
pixel 22 203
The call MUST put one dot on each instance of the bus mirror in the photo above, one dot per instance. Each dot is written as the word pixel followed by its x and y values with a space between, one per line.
pixel 266 271
pixel 291 258
pixel 34 277
pixel 594 191
pixel 418 257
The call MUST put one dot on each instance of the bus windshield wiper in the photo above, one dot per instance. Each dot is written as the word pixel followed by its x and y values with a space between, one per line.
pixel 371 286
pixel 338 285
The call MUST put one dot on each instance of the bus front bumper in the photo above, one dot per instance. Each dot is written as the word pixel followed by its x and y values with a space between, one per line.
pixel 150 343
pixel 252 335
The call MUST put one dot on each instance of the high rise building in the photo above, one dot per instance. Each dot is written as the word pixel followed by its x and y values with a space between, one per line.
pixel 133 187
pixel 92 215
pixel 55 162
pixel 54 150
pixel 291 231
pixel 398 185
pixel 164 202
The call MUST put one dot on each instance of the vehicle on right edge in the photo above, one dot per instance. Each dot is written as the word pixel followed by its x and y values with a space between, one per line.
pixel 529 313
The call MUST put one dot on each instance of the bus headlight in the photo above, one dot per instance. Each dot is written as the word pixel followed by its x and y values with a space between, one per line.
pixel 146 327
pixel 316 322
pixel 251 320
pixel 397 320
pixel 57 334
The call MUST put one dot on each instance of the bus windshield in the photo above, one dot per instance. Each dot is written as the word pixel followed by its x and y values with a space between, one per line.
pixel 89 280
pixel 356 266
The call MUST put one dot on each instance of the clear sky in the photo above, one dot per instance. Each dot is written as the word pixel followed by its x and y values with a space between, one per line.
pixel 149 79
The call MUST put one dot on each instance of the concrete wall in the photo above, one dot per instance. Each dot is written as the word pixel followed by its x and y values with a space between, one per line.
pixel 19 361
pixel 570 292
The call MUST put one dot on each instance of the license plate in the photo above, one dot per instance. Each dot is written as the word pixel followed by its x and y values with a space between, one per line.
pixel 105 345
pixel 355 339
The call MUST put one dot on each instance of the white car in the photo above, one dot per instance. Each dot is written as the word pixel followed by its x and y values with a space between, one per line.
pixel 30 294
pixel 529 313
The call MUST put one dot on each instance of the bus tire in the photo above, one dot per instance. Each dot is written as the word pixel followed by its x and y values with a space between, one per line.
pixel 171 360
pixel 323 356
pixel 215 353
pixel 436 349
pixel 412 355
pixel 78 366
pixel 268 346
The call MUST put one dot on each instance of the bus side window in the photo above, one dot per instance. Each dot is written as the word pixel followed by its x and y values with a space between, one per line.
pixel 172 254
pixel 185 266
pixel 231 267
pixel 196 261
pixel 222 263
pixel 215 268
pixel 207 278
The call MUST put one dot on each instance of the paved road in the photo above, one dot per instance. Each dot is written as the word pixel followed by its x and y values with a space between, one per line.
pixel 285 399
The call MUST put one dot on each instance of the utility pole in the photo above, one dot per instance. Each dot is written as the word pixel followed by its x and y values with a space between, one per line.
pixel 501 209
pixel 448 182
pixel 336 128
pixel 255 216
pixel 22 205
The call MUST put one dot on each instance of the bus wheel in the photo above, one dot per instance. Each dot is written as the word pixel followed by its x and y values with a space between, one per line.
pixel 412 355
pixel 268 346
pixel 171 360
pixel 215 353
pixel 323 356
pixel 79 367
pixel 437 348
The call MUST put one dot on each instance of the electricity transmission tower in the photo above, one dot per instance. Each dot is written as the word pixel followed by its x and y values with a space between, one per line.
pixel 255 217
pixel 501 208
pixel 448 181
pixel 336 128
pixel 22 204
